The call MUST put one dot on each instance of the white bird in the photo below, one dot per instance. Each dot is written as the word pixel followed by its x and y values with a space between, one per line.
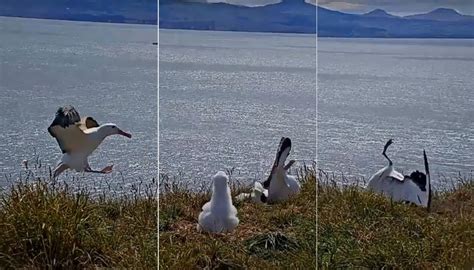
pixel 415 188
pixel 219 214
pixel 280 184
pixel 78 138
pixel 258 195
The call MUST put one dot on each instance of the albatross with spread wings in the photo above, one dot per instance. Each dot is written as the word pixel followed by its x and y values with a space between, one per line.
pixel 414 188
pixel 78 138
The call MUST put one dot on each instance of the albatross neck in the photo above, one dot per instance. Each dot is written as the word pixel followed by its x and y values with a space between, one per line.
pixel 99 134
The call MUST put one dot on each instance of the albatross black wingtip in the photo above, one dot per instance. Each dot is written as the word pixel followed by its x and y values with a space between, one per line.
pixel 427 171
pixel 425 159
pixel 389 142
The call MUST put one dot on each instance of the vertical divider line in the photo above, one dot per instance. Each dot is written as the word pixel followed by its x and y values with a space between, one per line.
pixel 317 130
pixel 158 133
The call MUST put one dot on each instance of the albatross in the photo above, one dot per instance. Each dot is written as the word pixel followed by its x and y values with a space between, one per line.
pixel 219 214
pixel 78 138
pixel 414 188
pixel 279 185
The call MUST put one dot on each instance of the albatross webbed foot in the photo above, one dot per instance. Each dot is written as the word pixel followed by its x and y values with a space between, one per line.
pixel 107 169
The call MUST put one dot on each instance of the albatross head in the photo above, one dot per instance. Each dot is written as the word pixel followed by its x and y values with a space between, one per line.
pixel 220 181
pixel 419 179
pixel 112 129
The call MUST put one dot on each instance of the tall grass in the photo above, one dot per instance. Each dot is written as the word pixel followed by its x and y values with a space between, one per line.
pixel 358 229
pixel 280 236
pixel 46 224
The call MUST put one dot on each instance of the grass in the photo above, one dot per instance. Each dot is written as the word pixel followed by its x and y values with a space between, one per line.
pixel 44 224
pixel 358 229
pixel 280 236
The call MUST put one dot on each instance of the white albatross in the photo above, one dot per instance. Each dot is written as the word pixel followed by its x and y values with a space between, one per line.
pixel 279 185
pixel 415 188
pixel 219 214
pixel 78 138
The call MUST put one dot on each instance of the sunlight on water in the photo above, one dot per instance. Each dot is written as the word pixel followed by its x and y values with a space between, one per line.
pixel 107 71
pixel 227 98
pixel 418 92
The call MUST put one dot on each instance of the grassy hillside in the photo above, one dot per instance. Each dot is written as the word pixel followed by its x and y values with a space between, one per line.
pixel 357 229
pixel 280 236
pixel 46 226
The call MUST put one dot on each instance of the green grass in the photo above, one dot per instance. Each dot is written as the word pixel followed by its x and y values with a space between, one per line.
pixel 280 236
pixel 358 229
pixel 45 225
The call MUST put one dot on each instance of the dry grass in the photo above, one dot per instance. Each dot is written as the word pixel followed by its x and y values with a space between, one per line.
pixel 358 229
pixel 280 236
pixel 45 225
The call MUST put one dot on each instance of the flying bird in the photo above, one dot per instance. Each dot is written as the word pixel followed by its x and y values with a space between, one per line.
pixel 219 214
pixel 414 188
pixel 78 138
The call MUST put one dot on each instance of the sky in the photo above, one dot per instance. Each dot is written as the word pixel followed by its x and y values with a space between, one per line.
pixel 251 2
pixel 396 7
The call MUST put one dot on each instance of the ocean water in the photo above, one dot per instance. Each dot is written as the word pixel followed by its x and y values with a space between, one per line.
pixel 107 71
pixel 226 99
pixel 420 93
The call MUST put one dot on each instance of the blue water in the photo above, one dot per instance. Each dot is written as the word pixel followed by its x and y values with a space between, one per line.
pixel 226 98
pixel 107 71
pixel 420 93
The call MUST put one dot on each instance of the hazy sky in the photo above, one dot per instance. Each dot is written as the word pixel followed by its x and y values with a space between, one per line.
pixel 251 2
pixel 397 7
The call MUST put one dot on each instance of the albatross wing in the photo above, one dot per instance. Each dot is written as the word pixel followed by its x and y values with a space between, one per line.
pixel 87 123
pixel 283 151
pixel 396 175
pixel 66 129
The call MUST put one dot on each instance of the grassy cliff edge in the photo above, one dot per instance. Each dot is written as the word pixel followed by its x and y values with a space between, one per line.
pixel 45 225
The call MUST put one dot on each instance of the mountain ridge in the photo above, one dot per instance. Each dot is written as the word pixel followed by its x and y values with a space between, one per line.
pixel 379 13
pixel 441 14
pixel 285 17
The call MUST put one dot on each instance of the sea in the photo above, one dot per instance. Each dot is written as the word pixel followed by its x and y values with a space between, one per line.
pixel 227 98
pixel 107 71
pixel 418 92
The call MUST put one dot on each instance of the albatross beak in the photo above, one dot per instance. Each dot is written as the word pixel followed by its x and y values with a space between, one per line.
pixel 123 133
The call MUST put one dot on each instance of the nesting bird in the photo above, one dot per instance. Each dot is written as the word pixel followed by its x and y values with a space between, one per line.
pixel 279 185
pixel 78 138
pixel 219 214
pixel 414 188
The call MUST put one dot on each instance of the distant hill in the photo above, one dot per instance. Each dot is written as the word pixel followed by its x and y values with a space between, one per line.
pixel 300 17
pixel 293 16
pixel 442 14
pixel 118 11
pixel 379 13
pixel 288 16
pixel 337 24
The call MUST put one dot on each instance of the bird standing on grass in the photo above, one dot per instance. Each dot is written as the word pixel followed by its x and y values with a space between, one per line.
pixel 78 138
pixel 279 185
pixel 219 214
pixel 414 188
